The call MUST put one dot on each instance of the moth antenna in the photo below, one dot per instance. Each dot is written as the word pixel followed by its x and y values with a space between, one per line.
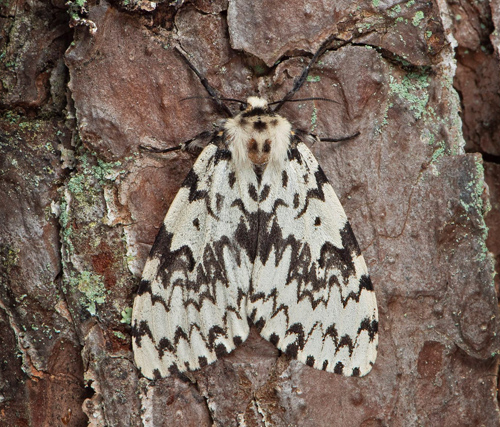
pixel 187 98
pixel 306 99
pixel 300 81
pixel 214 95
pixel 234 100
pixel 209 97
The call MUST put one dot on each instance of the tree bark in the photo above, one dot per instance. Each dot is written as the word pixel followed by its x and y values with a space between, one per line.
pixel 86 83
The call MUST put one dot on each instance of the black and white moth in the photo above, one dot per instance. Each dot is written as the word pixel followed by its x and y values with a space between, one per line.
pixel 256 233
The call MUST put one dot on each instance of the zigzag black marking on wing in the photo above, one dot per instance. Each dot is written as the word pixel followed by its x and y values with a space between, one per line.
pixel 264 193
pixel 349 240
pixel 161 250
pixel 320 178
pixel 271 237
pixel 369 325
pixel 298 330
pixel 144 287
pixel 273 295
pixel 331 331
pixel 346 341
pixel 140 330
pixel 165 344
pixel 210 342
pixel 192 179
pixel 315 193
pixel 364 283
pixel 246 231
pixel 222 154
pixel 339 258
pixel 283 307
pixel 210 269
pixel 210 272
pixel 294 154
pixel 303 268
pixel 180 334
pixel 191 182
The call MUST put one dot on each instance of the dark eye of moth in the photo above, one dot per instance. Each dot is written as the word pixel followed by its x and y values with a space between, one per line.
pixel 267 146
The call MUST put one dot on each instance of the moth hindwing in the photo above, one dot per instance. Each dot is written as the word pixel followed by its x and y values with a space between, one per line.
pixel 256 233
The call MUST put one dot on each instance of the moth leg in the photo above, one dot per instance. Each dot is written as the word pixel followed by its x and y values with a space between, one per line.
pixel 341 138
pixel 193 145
pixel 311 138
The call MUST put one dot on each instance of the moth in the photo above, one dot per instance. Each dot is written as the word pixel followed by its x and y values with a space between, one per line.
pixel 256 235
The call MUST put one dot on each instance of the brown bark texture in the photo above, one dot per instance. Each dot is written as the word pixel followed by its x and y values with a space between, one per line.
pixel 84 83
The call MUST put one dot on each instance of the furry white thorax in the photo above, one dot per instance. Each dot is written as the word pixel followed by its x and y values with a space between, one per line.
pixel 256 102
pixel 257 136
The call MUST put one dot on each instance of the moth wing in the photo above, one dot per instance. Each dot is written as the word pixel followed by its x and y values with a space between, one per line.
pixel 311 294
pixel 191 304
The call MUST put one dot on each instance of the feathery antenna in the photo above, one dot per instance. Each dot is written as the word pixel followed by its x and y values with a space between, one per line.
pixel 306 99
pixel 214 95
pixel 300 81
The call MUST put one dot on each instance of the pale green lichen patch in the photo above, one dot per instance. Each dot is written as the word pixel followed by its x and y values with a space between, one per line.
pixel 9 257
pixel 313 79
pixel 92 287
pixel 379 125
pixel 86 195
pixel 107 172
pixel 126 316
pixel 120 335
pixel 80 215
pixel 85 188
pixel 477 188
pixel 440 151
pixel 413 89
pixel 314 119
pixel 363 26
pixel 394 11
pixel 417 18
pixel 472 201
pixel 66 227
pixel 77 9
pixel 12 116
pixel 102 171
pixel 93 255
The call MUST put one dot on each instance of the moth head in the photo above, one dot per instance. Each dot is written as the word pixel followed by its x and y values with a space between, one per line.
pixel 257 135
pixel 256 102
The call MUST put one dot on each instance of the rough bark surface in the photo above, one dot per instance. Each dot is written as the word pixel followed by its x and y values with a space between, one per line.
pixel 85 83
